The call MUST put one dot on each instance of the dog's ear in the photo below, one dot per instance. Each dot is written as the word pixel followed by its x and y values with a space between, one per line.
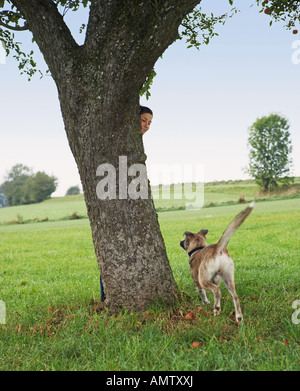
pixel 188 233
pixel 203 232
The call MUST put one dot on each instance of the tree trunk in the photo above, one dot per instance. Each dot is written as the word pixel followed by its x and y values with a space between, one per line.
pixel 98 85
pixel 128 243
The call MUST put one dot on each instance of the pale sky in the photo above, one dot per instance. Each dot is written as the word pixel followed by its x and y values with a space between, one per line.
pixel 203 102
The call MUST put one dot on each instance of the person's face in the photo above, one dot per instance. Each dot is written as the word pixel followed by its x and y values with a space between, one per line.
pixel 146 120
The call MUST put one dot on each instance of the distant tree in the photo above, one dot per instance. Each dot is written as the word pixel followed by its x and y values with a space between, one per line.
pixel 41 186
pixel 23 187
pixel 14 186
pixel 73 190
pixel 270 147
pixel 18 170
pixel 2 199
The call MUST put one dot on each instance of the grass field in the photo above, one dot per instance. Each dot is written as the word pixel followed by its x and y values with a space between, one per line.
pixel 49 282
pixel 166 198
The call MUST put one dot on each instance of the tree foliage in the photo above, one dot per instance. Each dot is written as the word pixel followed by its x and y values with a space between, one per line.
pixel 197 29
pixel 11 21
pixel 270 147
pixel 73 190
pixel 287 11
pixel 22 186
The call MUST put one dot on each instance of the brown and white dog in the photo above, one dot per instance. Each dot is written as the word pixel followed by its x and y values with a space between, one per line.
pixel 208 264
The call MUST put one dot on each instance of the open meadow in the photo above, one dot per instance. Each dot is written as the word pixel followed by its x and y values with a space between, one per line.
pixel 49 283
pixel 166 198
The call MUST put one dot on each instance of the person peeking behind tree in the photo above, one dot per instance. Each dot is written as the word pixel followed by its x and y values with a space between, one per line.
pixel 146 116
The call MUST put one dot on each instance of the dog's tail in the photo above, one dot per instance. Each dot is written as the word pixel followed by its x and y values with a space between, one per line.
pixel 232 227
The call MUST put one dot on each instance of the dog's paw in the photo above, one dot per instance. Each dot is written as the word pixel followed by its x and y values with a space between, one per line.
pixel 239 320
pixel 217 311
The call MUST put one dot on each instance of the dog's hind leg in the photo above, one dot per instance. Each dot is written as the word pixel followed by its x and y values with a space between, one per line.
pixel 208 285
pixel 231 287
pixel 203 296
pixel 217 307
pixel 201 291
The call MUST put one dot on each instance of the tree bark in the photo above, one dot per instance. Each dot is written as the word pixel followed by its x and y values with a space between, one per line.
pixel 98 85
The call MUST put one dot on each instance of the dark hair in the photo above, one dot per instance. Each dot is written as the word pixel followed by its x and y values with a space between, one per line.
pixel 145 109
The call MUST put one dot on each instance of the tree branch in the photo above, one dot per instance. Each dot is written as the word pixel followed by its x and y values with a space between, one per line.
pixel 50 33
pixel 15 28
pixel 106 16
pixel 7 16
pixel 133 34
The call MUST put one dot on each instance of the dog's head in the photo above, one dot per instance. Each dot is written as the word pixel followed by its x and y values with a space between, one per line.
pixel 193 240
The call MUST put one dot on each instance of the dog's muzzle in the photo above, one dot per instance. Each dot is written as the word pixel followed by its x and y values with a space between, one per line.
pixel 181 243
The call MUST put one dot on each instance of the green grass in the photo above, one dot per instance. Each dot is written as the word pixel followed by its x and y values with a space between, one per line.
pixel 49 282
pixel 53 209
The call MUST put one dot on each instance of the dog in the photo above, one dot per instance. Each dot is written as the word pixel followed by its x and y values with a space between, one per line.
pixel 210 263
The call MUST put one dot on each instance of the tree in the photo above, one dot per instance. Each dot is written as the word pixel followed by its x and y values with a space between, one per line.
pixel 41 186
pixel 23 187
pixel 287 11
pixel 270 146
pixel 2 199
pixel 98 86
pixel 18 170
pixel 14 187
pixel 73 190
